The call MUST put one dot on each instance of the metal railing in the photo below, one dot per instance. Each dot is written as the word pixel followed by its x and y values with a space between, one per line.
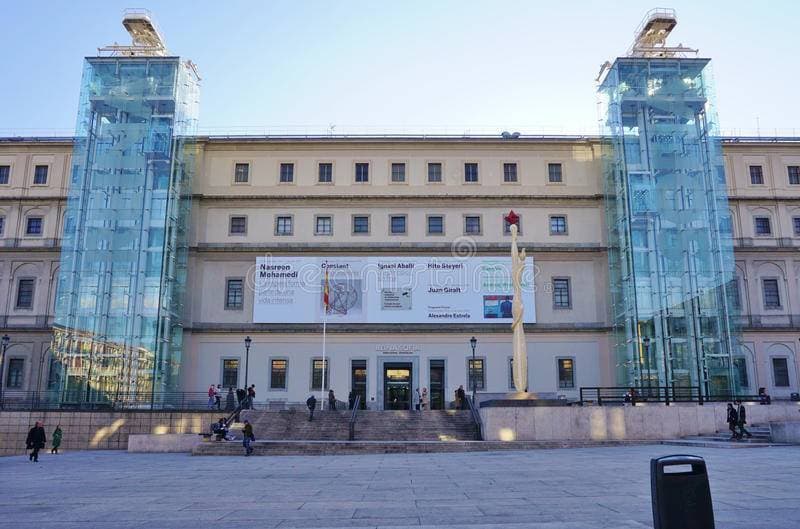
pixel 476 418
pixel 624 395
pixel 353 415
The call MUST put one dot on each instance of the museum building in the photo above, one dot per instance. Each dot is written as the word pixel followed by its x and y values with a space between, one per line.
pixel 139 258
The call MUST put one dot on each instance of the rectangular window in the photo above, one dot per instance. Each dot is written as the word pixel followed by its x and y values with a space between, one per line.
pixel 323 226
pixel 509 172
pixel 763 226
pixel 325 173
pixel 477 374
pixel 434 172
pixel 472 225
pixel 397 224
pixel 241 173
pixel 566 373
pixel 740 368
pixel 795 224
pixel 558 225
pixel 34 226
pixel 316 374
pixel 15 371
pixel 362 172
pixel 234 294
pixel 284 225
pixel 238 226
pixel 756 175
pixel 360 224
pixel 780 371
pixel 435 225
pixel 277 374
pixel 561 294
pixel 470 172
pixel 5 174
pixel 287 173
pixel 230 373
pixel 40 175
pixel 772 295
pixel 554 173
pixel 398 173
pixel 25 294
pixel 507 226
pixel 793 170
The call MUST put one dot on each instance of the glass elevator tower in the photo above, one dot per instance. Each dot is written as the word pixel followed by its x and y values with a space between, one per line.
pixel 119 304
pixel 670 241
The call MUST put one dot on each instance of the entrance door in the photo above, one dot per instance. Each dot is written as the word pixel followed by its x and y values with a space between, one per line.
pixel 437 384
pixel 397 386
pixel 358 381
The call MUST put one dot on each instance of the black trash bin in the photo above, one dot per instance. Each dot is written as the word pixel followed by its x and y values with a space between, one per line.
pixel 681 497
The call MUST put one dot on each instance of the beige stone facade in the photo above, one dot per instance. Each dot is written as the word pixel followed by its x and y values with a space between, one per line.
pixel 559 185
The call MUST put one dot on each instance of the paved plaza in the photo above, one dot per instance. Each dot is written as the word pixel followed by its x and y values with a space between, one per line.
pixel 587 488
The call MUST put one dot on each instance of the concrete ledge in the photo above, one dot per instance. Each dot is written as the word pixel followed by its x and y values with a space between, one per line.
pixel 163 443
pixel 785 432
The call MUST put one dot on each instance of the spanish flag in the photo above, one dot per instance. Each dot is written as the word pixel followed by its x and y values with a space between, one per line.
pixel 325 299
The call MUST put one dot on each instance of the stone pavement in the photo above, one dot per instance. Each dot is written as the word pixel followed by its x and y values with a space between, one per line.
pixel 585 488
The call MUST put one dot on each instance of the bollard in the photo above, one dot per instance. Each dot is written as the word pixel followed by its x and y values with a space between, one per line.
pixel 681 500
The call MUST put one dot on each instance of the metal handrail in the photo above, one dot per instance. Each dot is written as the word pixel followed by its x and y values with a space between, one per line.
pixel 620 394
pixel 353 415
pixel 476 418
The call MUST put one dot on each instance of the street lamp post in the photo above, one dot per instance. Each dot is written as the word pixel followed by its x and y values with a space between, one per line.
pixel 473 342
pixel 5 340
pixel 247 342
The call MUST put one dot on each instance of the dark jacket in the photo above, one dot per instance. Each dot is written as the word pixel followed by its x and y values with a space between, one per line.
pixel 733 417
pixel 57 434
pixel 742 414
pixel 36 438
pixel 311 402
pixel 248 432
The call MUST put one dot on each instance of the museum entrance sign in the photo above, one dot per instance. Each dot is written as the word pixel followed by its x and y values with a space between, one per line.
pixel 388 290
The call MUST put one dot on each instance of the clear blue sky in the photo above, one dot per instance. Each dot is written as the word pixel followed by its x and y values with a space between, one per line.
pixel 402 65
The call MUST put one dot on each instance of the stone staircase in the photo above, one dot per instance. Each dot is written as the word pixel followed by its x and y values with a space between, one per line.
pixel 294 425
pixel 761 438
pixel 403 425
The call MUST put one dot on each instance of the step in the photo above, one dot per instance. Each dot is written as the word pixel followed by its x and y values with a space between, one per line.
pixel 280 448
pixel 718 444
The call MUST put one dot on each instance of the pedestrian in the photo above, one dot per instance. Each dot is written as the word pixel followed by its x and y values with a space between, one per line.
pixel 351 400
pixel 423 401
pixel 211 391
pixel 230 400
pixel 248 437
pixel 331 400
pixel 57 435
pixel 218 396
pixel 461 398
pixel 312 404
pixel 733 420
pixel 241 394
pixel 417 400
pixel 742 420
pixel 36 441
pixel 251 396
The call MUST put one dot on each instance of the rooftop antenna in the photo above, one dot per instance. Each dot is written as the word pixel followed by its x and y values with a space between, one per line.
pixel 146 39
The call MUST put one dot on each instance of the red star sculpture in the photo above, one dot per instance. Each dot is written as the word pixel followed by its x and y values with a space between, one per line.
pixel 512 218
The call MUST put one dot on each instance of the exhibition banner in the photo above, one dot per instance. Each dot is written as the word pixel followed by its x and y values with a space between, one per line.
pixel 391 289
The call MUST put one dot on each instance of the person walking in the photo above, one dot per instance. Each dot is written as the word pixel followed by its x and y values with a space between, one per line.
pixel 35 441
pixel 241 394
pixel 312 404
pixel 742 420
pixel 57 435
pixel 331 400
pixel 733 420
pixel 417 400
pixel 351 400
pixel 251 396
pixel 423 400
pixel 211 391
pixel 218 396
pixel 249 437
pixel 230 400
